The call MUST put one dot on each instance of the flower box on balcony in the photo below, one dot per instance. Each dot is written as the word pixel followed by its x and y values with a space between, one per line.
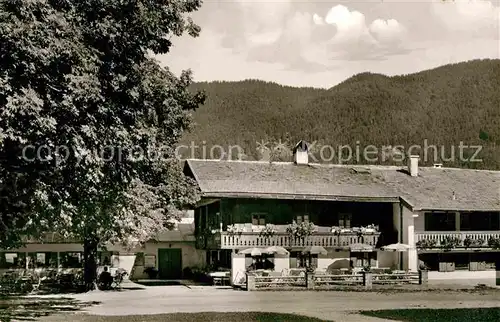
pixel 470 242
pixel 370 229
pixel 302 230
pixel 268 231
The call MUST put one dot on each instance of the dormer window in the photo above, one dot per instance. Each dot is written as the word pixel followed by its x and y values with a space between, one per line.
pixel 301 153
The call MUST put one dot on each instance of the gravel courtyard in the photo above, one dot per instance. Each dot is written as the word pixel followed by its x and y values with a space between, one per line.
pixel 336 306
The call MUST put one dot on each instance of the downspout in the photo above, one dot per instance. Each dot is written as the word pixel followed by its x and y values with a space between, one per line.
pixel 400 233
pixel 400 222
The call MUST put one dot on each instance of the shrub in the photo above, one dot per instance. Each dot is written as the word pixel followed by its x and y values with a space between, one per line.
pixel 187 273
pixel 152 272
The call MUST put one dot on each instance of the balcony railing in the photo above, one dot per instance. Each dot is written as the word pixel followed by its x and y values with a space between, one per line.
pixel 476 239
pixel 51 238
pixel 252 239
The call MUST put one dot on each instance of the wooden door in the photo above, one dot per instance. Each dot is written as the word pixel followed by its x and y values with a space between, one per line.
pixel 170 263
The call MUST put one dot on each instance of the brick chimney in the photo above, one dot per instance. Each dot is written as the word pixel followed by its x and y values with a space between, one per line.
pixel 301 153
pixel 413 165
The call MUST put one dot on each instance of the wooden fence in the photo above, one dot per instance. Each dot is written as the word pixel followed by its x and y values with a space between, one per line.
pixel 313 281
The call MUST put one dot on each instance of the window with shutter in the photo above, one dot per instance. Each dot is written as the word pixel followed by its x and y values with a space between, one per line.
pixel 345 220
pixel 258 219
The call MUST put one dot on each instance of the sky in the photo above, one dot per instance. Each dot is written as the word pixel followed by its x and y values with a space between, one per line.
pixel 321 43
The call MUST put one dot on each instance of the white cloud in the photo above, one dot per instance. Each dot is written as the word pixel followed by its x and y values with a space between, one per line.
pixel 289 44
pixel 354 39
pixel 318 20
pixel 262 21
pixel 478 17
pixel 263 38
pixel 387 31
pixel 350 25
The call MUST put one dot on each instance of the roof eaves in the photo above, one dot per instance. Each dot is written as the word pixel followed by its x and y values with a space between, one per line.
pixel 408 204
pixel 188 162
pixel 298 196
pixel 459 209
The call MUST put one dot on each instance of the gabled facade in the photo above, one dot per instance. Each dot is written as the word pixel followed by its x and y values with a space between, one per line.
pixel 449 217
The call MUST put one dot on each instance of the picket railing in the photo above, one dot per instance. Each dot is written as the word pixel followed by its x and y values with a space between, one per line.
pixel 247 240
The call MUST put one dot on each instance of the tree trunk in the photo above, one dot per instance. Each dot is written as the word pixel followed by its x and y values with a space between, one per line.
pixel 90 244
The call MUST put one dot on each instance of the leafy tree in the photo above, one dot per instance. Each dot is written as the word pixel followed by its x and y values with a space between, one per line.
pixel 89 120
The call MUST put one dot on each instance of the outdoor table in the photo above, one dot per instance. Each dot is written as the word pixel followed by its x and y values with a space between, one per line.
pixel 220 277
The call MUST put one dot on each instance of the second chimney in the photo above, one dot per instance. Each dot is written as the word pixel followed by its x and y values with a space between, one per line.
pixel 413 165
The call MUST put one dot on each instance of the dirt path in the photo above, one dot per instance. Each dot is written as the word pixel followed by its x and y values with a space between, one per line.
pixel 336 306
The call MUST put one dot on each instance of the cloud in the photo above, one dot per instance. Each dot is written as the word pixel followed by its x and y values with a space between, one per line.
pixel 387 31
pixel 299 44
pixel 318 20
pixel 468 17
pixel 262 21
pixel 353 39
pixel 351 26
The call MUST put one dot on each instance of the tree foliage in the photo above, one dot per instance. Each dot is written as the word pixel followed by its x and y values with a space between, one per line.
pixel 89 119
pixel 444 106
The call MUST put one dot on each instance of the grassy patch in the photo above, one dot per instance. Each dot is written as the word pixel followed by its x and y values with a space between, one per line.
pixel 195 317
pixel 28 309
pixel 423 315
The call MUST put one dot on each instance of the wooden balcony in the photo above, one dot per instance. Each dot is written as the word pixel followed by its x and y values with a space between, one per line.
pixel 479 238
pixel 327 240
pixel 51 238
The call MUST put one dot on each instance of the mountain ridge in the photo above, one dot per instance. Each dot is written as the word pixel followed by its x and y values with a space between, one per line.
pixel 445 105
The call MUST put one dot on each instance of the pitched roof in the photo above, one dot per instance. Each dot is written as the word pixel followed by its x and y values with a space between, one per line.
pixel 433 189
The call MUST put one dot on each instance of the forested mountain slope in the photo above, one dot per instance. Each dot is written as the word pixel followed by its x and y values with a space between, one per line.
pixel 443 106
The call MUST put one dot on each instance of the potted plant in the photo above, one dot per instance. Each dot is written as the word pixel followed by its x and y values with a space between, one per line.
pixel 450 242
pixel 336 230
pixel 469 242
pixel 300 231
pixel 426 243
pixel 268 231
pixel 370 229
pixel 232 230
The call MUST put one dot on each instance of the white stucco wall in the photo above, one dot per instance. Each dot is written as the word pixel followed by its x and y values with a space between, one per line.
pixel 238 268
pixel 419 222
pixel 469 278
pixel 301 157
pixel 396 217
pixel 281 262
pixel 191 256
pixel 410 258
